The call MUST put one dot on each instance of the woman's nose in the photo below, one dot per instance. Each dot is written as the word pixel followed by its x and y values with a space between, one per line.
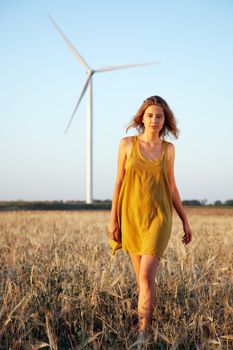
pixel 155 119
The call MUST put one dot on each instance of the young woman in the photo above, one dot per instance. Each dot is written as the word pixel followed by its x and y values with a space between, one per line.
pixel 143 199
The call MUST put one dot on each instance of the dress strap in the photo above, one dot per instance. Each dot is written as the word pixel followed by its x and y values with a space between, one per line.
pixel 133 140
pixel 165 151
pixel 136 146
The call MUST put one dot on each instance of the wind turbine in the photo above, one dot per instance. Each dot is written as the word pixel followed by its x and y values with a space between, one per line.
pixel 88 85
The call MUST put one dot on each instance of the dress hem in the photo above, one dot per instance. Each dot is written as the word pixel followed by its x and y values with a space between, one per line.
pixel 140 254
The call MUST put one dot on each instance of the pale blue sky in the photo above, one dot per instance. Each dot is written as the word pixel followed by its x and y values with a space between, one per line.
pixel 41 81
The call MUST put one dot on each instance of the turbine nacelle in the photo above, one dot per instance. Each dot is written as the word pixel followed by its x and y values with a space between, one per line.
pixel 90 72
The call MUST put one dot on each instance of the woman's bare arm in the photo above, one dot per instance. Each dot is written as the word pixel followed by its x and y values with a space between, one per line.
pixel 177 203
pixel 172 184
pixel 122 156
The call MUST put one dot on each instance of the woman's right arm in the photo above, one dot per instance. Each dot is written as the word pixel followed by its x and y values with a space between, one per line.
pixel 113 228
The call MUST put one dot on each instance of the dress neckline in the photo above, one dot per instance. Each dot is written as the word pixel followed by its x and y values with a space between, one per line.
pixel 150 160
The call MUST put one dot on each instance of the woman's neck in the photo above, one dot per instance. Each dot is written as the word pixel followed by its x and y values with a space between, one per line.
pixel 151 138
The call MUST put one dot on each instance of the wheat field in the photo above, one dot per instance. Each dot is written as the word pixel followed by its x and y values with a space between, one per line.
pixel 62 289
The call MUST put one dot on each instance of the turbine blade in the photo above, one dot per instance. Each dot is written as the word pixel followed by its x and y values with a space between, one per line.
pixel 79 100
pixel 72 48
pixel 108 68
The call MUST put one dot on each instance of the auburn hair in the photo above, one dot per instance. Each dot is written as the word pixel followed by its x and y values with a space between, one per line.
pixel 169 125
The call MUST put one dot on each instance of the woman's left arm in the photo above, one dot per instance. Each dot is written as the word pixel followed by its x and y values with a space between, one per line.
pixel 175 195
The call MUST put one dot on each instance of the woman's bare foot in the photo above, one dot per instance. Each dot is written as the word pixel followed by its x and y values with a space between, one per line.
pixel 144 337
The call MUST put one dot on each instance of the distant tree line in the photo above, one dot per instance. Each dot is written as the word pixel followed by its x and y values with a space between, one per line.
pixel 97 204
pixel 195 202
pixel 54 205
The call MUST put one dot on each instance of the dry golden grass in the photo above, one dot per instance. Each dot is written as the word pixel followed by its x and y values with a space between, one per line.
pixel 62 289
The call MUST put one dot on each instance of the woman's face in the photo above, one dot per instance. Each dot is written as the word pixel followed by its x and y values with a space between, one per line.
pixel 153 118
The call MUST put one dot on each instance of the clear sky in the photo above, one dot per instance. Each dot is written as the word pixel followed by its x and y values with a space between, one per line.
pixel 41 81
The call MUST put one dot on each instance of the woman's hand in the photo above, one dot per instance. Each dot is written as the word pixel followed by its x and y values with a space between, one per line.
pixel 114 231
pixel 187 237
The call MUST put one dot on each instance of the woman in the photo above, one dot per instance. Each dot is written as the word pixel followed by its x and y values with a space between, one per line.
pixel 143 199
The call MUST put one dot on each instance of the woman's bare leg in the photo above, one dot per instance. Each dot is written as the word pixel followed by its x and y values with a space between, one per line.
pixel 136 260
pixel 148 290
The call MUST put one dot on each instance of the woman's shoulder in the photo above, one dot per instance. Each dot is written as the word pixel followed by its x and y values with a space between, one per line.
pixel 127 139
pixel 127 144
pixel 169 144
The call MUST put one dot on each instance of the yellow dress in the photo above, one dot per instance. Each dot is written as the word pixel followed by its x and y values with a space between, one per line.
pixel 144 209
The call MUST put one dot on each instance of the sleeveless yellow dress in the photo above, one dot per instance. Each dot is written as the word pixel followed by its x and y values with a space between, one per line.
pixel 144 209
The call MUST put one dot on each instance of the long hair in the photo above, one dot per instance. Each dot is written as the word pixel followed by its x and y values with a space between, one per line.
pixel 169 125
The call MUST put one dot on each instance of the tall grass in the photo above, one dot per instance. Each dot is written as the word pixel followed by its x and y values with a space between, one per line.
pixel 62 289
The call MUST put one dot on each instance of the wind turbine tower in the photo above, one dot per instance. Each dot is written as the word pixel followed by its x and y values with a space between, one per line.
pixel 88 86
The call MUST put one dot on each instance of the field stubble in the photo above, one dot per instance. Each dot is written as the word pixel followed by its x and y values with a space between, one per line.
pixel 62 289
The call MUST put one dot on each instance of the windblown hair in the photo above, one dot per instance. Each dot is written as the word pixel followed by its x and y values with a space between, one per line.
pixel 169 122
